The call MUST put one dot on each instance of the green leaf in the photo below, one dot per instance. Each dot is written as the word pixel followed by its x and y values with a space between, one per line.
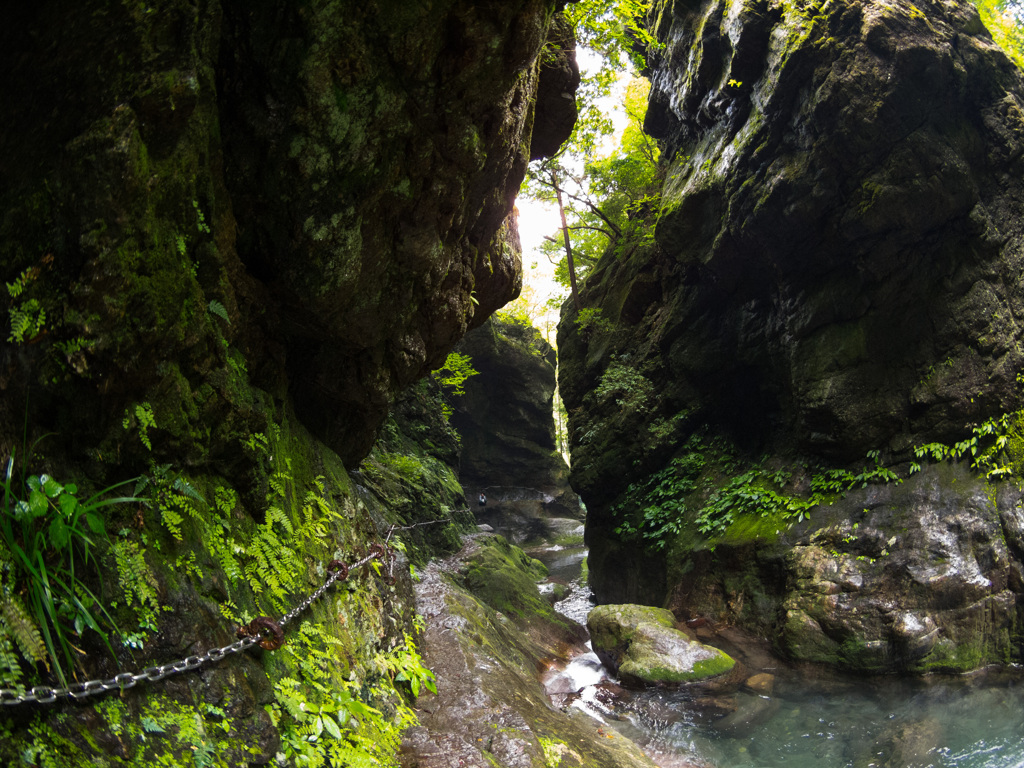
pixel 95 523
pixel 68 505
pixel 332 727
pixel 38 504
pixel 51 487
pixel 59 536
pixel 218 309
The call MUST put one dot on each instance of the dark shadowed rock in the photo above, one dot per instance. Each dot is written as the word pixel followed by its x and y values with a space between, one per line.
pixel 556 92
pixel 836 269
pixel 336 181
pixel 844 203
pixel 505 421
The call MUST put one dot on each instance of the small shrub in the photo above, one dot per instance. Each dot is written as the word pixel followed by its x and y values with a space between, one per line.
pixel 48 544
pixel 621 381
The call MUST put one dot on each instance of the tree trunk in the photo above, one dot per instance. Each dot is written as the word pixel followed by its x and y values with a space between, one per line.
pixel 568 244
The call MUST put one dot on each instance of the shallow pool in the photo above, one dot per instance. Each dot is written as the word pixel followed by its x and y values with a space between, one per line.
pixel 806 722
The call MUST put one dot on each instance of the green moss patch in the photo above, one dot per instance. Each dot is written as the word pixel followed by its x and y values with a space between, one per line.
pixel 505 578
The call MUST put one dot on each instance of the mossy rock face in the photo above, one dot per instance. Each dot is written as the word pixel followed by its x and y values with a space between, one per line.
pixel 895 339
pixel 504 417
pixel 505 578
pixel 642 646
pixel 237 231
pixel 837 261
pixel 919 576
pixel 322 217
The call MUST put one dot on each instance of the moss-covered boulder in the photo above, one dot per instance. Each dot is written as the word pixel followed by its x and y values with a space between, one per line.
pixel 505 578
pixel 641 645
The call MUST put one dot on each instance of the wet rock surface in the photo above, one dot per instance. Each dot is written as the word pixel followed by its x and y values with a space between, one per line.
pixel 922 576
pixel 642 646
pixel 490 705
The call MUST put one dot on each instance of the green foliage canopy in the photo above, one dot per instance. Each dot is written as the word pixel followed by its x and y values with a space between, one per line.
pixel 1003 18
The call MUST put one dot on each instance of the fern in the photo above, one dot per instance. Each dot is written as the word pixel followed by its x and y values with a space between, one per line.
pixel 23 629
pixel 185 488
pixel 174 506
pixel 22 281
pixel 273 568
pixel 225 500
pixel 326 716
pixel 277 515
pixel 10 664
pixel 218 309
pixel 27 321
pixel 138 584
pixel 171 519
pixel 224 550
pixel 279 482
pixel 141 416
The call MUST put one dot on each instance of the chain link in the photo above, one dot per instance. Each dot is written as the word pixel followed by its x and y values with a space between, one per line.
pixel 251 635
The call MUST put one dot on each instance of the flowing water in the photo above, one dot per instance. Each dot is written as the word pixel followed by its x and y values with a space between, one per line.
pixel 963 722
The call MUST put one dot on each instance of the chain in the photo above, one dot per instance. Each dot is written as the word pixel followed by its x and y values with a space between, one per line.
pixel 266 632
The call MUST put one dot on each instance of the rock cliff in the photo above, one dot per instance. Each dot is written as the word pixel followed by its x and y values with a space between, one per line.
pixel 504 418
pixel 232 233
pixel 321 189
pixel 835 274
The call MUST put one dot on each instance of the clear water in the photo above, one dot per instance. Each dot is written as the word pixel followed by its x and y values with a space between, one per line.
pixel 963 722
pixel 890 724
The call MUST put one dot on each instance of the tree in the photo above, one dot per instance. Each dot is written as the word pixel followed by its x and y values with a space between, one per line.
pixel 590 192
pixel 1003 18
pixel 602 201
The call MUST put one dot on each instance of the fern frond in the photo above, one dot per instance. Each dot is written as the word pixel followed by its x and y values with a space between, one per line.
pixel 10 665
pixel 138 584
pixel 225 499
pixel 277 515
pixel 184 487
pixel 223 550
pixel 172 520
pixel 23 629
pixel 218 309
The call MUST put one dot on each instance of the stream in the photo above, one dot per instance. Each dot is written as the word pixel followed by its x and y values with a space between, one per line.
pixel 825 721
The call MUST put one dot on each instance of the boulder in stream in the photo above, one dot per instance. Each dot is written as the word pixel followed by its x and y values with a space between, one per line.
pixel 643 647
pixel 490 707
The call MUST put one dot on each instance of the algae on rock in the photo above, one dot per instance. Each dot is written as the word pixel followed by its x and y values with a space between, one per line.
pixel 643 647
